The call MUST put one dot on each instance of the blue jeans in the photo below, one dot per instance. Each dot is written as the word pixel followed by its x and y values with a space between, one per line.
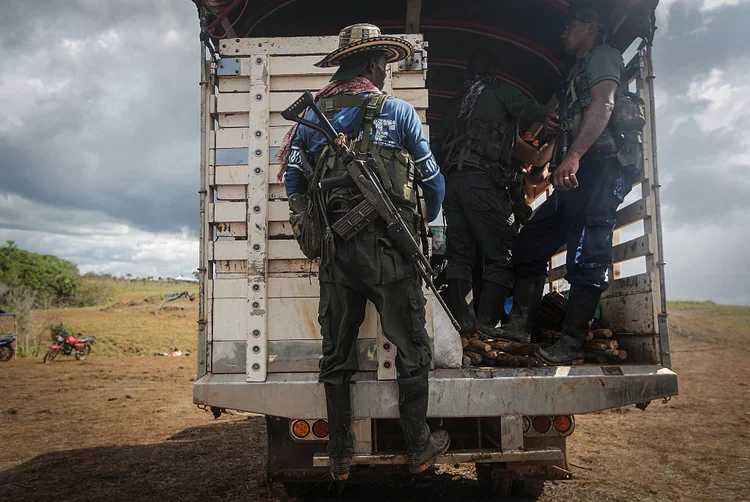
pixel 584 218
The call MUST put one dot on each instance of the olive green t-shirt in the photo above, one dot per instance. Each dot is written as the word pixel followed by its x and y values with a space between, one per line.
pixel 603 62
pixel 496 102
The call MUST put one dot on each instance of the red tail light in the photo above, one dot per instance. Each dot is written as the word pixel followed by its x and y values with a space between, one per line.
pixel 320 429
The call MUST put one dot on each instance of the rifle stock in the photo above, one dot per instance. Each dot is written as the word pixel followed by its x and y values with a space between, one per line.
pixel 368 183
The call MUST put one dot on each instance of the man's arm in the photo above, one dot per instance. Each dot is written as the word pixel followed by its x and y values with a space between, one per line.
pixel 594 121
pixel 294 178
pixel 427 170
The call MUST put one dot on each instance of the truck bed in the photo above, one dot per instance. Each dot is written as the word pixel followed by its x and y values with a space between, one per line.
pixel 480 392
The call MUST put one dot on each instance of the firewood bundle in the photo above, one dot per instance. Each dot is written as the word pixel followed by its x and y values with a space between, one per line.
pixel 481 350
pixel 601 347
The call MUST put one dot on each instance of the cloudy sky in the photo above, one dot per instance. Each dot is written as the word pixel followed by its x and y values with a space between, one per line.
pixel 99 137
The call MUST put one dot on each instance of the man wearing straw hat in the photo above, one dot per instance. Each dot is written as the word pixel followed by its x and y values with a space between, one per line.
pixel 367 266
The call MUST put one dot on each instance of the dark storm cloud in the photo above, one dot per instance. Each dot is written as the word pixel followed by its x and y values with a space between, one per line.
pixel 106 109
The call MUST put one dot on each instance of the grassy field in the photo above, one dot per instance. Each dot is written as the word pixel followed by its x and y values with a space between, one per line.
pixel 131 323
pixel 732 318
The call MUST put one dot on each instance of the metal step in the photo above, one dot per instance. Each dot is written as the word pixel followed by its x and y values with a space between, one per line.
pixel 454 457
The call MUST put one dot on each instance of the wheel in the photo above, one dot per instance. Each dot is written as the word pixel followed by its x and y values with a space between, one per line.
pixel 83 353
pixel 6 353
pixel 50 355
pixel 528 488
pixel 491 484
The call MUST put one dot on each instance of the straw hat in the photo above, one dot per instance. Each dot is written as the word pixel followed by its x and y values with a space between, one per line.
pixel 364 37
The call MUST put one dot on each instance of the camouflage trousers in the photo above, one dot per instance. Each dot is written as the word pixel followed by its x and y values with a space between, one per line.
pixel 367 267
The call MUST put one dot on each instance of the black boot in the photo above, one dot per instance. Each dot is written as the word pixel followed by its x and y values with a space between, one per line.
pixel 422 446
pixel 491 306
pixel 526 298
pixel 341 439
pixel 462 303
pixel 580 309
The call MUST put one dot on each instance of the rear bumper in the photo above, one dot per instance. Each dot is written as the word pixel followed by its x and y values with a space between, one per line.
pixel 453 393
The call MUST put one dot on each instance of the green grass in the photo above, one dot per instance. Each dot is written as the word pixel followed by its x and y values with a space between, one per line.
pixel 735 318
pixel 130 324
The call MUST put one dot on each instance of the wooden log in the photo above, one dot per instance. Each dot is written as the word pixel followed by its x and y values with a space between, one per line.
pixel 513 360
pixel 479 346
pixel 601 333
pixel 512 347
pixel 601 344
pixel 622 355
pixel 464 342
pixel 475 358
pixel 466 360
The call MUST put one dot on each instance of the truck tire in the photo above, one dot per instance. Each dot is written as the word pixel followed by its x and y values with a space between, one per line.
pixel 491 485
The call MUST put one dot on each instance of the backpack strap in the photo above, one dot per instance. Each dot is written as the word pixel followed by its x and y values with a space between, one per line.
pixel 373 108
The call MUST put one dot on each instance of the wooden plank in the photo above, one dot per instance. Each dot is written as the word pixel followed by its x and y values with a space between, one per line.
pixel 284 250
pixel 233 103
pixel 418 98
pixel 228 212
pixel 408 80
pixel 276 191
pixel 640 246
pixel 231 175
pixel 229 288
pixel 231 229
pixel 292 267
pixel 227 120
pixel 631 314
pixel 232 138
pixel 293 46
pixel 230 319
pixel 228 250
pixel 277 120
pixel 297 319
pixel 632 213
pixel 234 84
pixel 231 192
pixel 300 83
pixel 296 66
pixel 279 229
pixel 278 210
pixel 557 273
pixel 227 268
pixel 632 285
pixel 293 287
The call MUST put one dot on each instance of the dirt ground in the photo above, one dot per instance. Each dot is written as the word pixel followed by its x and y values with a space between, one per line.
pixel 126 429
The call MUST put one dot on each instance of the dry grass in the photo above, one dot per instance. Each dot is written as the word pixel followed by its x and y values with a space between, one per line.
pixel 131 323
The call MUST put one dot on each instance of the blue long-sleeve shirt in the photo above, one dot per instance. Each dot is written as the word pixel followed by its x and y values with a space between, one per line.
pixel 397 127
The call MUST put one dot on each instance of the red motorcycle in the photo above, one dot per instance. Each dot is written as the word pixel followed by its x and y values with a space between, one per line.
pixel 69 345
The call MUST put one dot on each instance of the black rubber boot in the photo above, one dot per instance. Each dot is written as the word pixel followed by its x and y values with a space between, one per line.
pixel 491 306
pixel 580 309
pixel 461 301
pixel 526 298
pixel 422 446
pixel 341 439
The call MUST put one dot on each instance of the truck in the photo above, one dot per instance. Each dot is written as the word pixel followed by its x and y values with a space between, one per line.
pixel 259 339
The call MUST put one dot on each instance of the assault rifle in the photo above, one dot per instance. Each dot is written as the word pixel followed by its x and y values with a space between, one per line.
pixel 377 202
pixel 563 136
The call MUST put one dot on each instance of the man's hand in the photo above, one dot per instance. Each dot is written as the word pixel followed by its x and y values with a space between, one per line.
pixel 564 177
pixel 552 123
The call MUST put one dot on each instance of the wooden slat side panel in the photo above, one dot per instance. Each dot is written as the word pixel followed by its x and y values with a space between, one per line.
pixel 634 313
pixel 297 319
pixel 632 285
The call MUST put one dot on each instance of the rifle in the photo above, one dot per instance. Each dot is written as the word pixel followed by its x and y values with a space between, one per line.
pixel 360 173
pixel 563 136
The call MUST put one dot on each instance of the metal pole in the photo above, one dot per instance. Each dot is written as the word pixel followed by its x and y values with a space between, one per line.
pixel 203 363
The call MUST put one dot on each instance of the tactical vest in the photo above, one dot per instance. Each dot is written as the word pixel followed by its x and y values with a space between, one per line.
pixel 622 142
pixel 483 145
pixel 394 167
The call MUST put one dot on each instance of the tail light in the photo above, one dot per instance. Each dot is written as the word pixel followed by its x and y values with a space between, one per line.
pixel 320 429
pixel 562 423
pixel 541 424
pixel 548 426
pixel 300 429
